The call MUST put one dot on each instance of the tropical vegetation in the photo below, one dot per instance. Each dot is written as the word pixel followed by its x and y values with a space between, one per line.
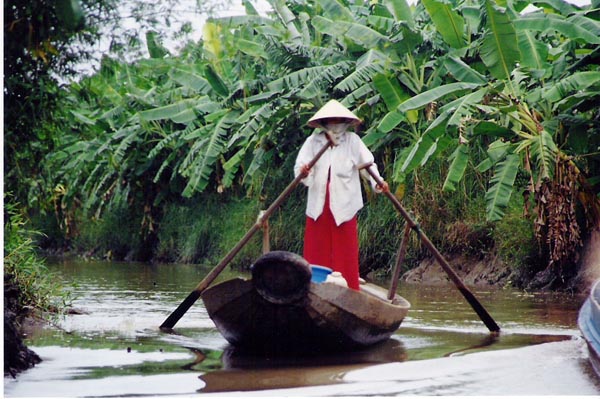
pixel 47 43
pixel 499 103
pixel 24 269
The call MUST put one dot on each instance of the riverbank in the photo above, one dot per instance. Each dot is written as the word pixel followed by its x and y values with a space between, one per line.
pixel 496 272
pixel 481 255
pixel 17 357
pixel 202 231
pixel 477 272
pixel 589 270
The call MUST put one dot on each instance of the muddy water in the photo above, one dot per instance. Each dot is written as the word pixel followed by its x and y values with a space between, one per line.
pixel 114 348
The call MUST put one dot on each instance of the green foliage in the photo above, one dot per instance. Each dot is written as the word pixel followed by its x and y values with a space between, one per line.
pixel 380 231
pixel 459 159
pixel 498 196
pixel 472 94
pixel 22 266
pixel 499 50
pixel 186 234
pixel 45 42
pixel 203 231
pixel 37 37
pixel 114 236
pixel 515 241
pixel 448 22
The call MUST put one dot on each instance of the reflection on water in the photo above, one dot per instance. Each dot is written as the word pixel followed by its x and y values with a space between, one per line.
pixel 248 372
pixel 276 378
pixel 391 350
pixel 115 348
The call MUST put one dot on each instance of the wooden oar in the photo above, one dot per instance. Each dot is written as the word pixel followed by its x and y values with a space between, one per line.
pixel 475 304
pixel 399 261
pixel 187 303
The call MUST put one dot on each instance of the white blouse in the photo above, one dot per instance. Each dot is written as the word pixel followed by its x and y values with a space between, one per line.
pixel 345 198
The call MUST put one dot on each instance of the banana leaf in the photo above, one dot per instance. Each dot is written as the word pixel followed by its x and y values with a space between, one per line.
pixel 463 72
pixel 300 78
pixel 426 146
pixel 190 80
pixel 574 29
pixel 543 149
pixel 560 6
pixel 251 48
pixel 460 160
pixel 367 66
pixel 578 81
pixel 287 18
pixel 534 53
pixel 499 49
pixel 200 162
pixel 335 10
pixel 215 81
pixel 390 91
pixel 167 111
pixel 355 32
pixel 400 10
pixel 391 120
pixel 449 24
pixel 155 49
pixel 232 166
pixel 319 83
pixel 383 25
pixel 502 184
pixel 462 107
pixel 435 94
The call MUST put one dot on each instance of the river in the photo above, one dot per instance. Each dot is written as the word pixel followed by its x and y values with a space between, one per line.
pixel 114 347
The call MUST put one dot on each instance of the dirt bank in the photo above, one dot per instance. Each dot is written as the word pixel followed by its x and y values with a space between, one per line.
pixel 589 270
pixel 17 357
pixel 491 271
pixel 476 272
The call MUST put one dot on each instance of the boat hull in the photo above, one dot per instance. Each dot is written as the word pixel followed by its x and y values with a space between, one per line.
pixel 589 324
pixel 328 318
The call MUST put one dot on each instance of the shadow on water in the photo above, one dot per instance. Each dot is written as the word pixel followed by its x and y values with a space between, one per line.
pixel 497 341
pixel 239 371
pixel 391 350
pixel 242 371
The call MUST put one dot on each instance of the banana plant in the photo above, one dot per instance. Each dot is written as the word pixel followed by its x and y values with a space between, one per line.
pixel 511 84
pixel 490 90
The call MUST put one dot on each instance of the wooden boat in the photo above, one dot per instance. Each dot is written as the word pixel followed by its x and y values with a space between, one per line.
pixel 281 310
pixel 589 324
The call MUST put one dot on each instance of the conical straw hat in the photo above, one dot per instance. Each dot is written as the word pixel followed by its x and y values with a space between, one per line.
pixel 333 109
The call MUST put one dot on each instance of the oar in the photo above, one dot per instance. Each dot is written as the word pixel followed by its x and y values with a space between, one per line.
pixel 475 304
pixel 399 261
pixel 187 303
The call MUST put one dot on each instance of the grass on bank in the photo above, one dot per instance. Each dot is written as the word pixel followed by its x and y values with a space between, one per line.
pixel 24 268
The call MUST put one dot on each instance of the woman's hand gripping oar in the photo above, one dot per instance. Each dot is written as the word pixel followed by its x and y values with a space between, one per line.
pixel 475 304
pixel 187 303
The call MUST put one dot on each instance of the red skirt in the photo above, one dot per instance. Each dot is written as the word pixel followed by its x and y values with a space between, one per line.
pixel 336 247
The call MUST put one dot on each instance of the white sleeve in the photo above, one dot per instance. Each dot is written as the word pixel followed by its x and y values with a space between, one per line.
pixel 365 156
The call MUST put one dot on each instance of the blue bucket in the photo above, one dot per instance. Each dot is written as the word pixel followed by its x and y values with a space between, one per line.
pixel 319 273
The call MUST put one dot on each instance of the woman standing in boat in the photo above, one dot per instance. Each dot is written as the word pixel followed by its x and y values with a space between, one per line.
pixel 334 191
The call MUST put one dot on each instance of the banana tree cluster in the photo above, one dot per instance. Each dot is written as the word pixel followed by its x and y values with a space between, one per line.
pixel 491 89
pixel 523 89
